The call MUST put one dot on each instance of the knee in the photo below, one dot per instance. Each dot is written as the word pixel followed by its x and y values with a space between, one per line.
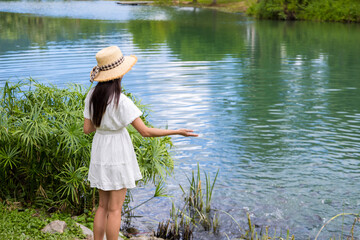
pixel 103 206
pixel 114 209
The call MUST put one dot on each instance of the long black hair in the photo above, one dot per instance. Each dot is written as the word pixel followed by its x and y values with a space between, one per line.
pixel 103 94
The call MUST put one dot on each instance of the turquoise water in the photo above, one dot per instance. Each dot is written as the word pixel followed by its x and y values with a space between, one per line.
pixel 276 104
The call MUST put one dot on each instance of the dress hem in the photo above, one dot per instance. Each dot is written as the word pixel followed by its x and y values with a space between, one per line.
pixel 111 187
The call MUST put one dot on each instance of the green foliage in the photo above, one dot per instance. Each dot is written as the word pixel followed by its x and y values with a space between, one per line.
pixel 273 9
pixel 44 154
pixel 330 10
pixel 320 10
pixel 17 223
pixel 152 155
pixel 163 2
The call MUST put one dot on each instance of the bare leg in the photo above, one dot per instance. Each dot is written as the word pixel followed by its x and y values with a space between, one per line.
pixel 100 219
pixel 114 213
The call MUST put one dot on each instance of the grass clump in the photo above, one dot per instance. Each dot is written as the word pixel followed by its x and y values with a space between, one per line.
pixel 44 154
pixel 196 211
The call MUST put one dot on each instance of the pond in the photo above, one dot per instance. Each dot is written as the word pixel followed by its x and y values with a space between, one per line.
pixel 276 104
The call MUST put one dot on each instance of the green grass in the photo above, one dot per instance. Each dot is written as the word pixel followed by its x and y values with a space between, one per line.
pixel 19 223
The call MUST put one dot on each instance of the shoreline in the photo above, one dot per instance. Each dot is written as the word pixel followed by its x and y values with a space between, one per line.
pixel 44 224
pixel 259 10
pixel 229 7
pixel 233 7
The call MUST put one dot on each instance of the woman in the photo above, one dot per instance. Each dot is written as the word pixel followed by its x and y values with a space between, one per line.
pixel 113 165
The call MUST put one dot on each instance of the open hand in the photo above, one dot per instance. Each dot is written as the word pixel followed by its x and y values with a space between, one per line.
pixel 187 132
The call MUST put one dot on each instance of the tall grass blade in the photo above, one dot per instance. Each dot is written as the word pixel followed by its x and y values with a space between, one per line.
pixel 331 219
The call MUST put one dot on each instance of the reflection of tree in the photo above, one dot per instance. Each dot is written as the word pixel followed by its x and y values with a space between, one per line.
pixel 148 34
pixel 24 30
pixel 287 77
pixel 327 53
pixel 280 44
pixel 192 35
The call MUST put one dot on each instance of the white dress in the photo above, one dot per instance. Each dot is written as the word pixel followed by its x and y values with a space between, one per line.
pixel 113 163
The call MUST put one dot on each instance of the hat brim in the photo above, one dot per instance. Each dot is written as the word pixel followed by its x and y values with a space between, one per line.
pixel 117 72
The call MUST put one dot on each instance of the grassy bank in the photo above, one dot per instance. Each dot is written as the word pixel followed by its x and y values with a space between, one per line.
pixel 233 6
pixel 320 10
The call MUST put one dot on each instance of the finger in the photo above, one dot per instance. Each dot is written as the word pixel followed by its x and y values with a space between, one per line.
pixel 192 135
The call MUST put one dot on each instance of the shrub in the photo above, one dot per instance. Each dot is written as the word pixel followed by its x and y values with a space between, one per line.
pixel 44 154
pixel 319 10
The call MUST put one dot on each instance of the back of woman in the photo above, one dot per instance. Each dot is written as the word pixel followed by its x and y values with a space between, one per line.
pixel 113 165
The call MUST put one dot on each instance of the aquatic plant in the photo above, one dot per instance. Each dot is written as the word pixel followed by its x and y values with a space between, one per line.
pixel 195 211
pixel 252 233
pixel 357 219
pixel 197 208
pixel 44 154
pixel 168 230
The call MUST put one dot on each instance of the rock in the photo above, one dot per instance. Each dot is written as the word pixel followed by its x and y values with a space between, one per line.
pixel 119 238
pixel 56 226
pixel 86 231
pixel 145 238
pixel 90 235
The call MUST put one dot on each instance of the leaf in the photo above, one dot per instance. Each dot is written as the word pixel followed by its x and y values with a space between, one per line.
pixel 9 157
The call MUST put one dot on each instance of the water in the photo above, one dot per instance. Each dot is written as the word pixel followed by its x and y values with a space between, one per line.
pixel 276 104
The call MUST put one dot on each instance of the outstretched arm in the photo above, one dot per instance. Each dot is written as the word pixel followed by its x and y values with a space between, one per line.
pixel 88 126
pixel 145 131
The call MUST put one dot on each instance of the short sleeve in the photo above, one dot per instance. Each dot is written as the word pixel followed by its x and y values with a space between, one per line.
pixel 87 104
pixel 128 111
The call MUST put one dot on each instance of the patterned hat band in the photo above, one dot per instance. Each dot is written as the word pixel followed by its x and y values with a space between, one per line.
pixel 96 70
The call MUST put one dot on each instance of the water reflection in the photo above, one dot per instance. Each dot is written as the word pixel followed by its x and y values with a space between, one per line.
pixel 276 103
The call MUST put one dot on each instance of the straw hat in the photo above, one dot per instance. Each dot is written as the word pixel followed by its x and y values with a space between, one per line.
pixel 112 64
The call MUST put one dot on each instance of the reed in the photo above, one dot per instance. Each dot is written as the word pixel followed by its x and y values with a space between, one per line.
pixel 195 211
pixel 199 209
pixel 357 219
pixel 194 197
